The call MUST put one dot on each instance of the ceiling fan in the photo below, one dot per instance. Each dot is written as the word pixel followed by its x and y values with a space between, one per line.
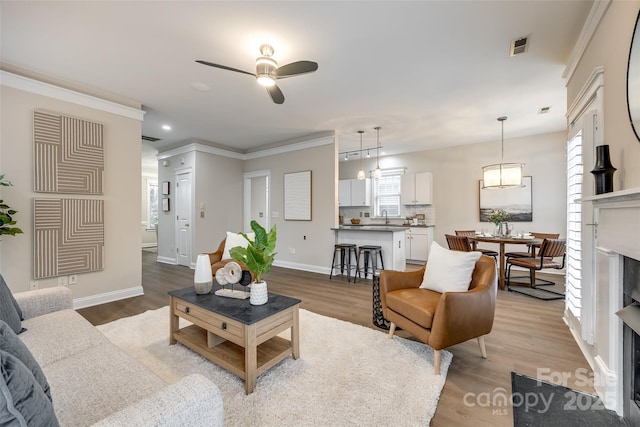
pixel 267 71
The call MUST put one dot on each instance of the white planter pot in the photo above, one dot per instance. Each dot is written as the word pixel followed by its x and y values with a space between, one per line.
pixel 259 294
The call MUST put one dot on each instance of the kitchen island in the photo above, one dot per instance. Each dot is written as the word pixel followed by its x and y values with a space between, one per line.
pixel 390 238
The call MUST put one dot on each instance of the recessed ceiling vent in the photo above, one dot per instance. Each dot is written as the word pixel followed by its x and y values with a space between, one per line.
pixel 544 110
pixel 519 46
pixel 150 138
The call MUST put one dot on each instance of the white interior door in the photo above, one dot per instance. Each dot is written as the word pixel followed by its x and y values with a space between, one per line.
pixel 256 198
pixel 183 218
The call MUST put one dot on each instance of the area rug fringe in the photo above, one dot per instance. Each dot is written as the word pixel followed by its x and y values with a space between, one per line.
pixel 347 375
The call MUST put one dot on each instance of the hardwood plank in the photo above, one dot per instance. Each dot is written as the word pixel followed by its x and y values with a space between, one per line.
pixel 528 337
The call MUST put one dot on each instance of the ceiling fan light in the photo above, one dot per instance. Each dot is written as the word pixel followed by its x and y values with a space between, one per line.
pixel 265 80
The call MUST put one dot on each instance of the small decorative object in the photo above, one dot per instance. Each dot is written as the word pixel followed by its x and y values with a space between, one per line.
pixel 603 170
pixel 230 274
pixel 258 256
pixel 498 217
pixel 202 280
pixel 355 220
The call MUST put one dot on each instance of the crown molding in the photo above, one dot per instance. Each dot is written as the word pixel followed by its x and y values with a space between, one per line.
pixel 317 142
pixel 52 91
pixel 596 14
pixel 312 143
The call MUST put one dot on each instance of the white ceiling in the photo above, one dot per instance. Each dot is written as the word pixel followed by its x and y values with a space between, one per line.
pixel 431 73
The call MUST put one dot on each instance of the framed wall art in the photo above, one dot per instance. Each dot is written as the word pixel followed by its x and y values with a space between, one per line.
pixel 516 201
pixel 297 196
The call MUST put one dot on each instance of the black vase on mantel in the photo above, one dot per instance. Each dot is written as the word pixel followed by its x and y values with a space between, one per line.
pixel 603 170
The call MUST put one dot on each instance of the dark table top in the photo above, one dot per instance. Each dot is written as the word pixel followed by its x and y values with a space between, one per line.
pixel 240 310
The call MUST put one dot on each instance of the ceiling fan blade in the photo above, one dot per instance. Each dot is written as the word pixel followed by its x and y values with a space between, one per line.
pixel 276 94
pixel 295 68
pixel 224 67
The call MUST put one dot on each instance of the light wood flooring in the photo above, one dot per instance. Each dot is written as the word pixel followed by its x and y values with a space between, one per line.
pixel 527 335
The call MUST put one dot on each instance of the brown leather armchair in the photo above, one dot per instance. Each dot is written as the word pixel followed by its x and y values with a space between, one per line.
pixel 216 259
pixel 441 320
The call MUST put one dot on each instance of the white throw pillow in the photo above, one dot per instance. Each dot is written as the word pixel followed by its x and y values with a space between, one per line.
pixel 233 240
pixel 449 271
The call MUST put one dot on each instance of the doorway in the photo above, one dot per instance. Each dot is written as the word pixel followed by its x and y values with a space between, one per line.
pixel 256 198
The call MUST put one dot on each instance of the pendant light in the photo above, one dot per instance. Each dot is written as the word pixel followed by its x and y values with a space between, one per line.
pixel 378 172
pixel 502 175
pixel 361 174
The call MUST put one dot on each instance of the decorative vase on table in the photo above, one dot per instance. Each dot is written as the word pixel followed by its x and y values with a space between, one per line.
pixel 259 293
pixel 603 170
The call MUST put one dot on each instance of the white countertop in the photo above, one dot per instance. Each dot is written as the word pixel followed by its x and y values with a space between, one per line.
pixel 384 228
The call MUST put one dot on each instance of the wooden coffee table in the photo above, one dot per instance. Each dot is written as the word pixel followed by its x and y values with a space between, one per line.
pixel 235 335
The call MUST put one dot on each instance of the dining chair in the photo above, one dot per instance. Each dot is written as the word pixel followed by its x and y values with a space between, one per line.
pixel 550 251
pixel 458 243
pixel 471 233
pixel 532 247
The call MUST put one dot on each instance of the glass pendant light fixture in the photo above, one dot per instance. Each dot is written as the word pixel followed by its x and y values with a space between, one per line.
pixel 502 175
pixel 378 172
pixel 361 174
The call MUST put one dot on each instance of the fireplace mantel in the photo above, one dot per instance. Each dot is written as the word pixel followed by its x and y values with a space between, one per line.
pixel 615 227
pixel 615 196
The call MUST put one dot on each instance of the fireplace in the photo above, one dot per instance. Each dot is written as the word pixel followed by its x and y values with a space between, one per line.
pixel 608 332
pixel 630 316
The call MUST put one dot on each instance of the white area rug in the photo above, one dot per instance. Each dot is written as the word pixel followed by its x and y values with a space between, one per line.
pixel 346 374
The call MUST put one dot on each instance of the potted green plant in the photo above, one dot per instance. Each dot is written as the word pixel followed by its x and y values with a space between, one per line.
pixel 258 256
pixel 498 216
pixel 6 214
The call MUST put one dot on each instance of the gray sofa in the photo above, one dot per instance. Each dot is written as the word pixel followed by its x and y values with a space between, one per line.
pixel 94 382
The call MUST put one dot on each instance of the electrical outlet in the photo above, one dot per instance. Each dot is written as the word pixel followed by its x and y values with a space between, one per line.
pixel 73 279
pixel 34 285
pixel 292 250
pixel 63 281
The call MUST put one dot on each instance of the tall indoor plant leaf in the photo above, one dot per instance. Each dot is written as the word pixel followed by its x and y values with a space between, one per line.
pixel 259 254
pixel 6 213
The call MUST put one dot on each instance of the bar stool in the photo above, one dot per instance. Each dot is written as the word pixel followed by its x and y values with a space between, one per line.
pixel 345 250
pixel 371 252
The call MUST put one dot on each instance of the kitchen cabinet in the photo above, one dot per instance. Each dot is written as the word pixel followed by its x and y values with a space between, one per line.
pixel 417 189
pixel 417 243
pixel 354 192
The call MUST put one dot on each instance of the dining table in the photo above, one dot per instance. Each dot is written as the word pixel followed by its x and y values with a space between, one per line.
pixel 502 241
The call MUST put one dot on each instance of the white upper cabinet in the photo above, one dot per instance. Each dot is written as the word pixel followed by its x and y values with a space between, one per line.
pixel 417 189
pixel 344 192
pixel 354 192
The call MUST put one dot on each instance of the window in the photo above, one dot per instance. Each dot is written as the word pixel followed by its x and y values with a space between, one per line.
pixel 152 204
pixel 386 193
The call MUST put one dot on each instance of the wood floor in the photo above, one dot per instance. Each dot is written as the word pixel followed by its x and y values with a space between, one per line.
pixel 528 337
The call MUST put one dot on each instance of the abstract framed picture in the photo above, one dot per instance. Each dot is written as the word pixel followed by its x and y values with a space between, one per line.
pixel 166 204
pixel 517 202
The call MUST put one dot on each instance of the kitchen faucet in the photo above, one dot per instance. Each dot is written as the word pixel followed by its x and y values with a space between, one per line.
pixel 386 218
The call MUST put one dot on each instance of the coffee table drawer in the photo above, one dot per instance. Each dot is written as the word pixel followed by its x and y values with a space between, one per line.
pixel 214 323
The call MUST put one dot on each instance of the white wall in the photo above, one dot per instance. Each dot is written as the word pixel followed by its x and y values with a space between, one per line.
pixel 122 263
pixel 458 170
pixel 609 47
pixel 313 253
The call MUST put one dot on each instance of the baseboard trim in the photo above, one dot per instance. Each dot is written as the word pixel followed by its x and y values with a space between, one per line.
pixel 166 260
pixel 303 267
pixel 149 245
pixel 106 297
